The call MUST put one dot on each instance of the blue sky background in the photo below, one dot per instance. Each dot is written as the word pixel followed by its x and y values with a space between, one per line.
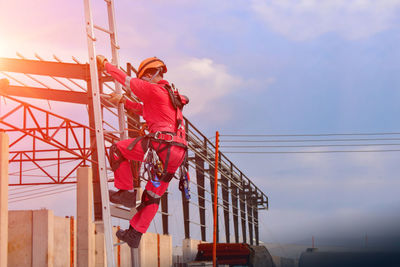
pixel 264 67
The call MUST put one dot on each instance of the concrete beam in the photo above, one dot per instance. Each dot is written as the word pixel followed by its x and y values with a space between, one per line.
pixel 85 231
pixel 3 198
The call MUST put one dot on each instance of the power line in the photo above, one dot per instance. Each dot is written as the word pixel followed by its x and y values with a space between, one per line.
pixel 313 140
pixel 22 191
pixel 41 194
pixel 309 152
pixel 44 190
pixel 305 146
pixel 298 135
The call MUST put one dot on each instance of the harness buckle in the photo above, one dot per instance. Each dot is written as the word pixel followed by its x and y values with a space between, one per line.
pixel 166 140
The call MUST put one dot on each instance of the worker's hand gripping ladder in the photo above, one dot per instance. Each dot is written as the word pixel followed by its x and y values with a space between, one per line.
pixel 98 115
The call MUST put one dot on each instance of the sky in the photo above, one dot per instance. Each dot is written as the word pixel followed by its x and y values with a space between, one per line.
pixel 264 67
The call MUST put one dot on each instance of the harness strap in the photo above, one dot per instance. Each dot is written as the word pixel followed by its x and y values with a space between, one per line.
pixel 152 198
pixel 167 177
pixel 167 158
pixel 134 142
pixel 169 137
pixel 116 157
pixel 164 137
pixel 175 101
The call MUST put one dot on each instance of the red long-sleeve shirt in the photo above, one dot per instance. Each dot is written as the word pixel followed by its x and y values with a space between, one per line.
pixel 135 107
pixel 157 109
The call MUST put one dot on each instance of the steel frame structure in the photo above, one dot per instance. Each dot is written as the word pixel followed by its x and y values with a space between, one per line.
pixel 72 141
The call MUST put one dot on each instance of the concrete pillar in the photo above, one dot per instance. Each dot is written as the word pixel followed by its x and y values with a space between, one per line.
pixel 155 250
pixel 148 250
pixel 189 249
pixel 85 231
pixel 62 241
pixel 20 238
pixel 100 245
pixel 43 238
pixel 3 198
pixel 165 250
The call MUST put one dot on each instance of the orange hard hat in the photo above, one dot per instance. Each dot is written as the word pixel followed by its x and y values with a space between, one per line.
pixel 150 63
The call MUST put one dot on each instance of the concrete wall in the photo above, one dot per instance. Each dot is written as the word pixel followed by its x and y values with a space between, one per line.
pixel 20 238
pixel 62 254
pixel 42 238
pixel 154 248
pixel 38 238
pixel 122 253
pixel 4 154
pixel 189 249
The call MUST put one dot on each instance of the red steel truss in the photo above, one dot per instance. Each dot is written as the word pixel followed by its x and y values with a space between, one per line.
pixel 54 139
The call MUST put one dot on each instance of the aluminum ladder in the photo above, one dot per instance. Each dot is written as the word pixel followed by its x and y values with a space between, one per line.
pixel 106 209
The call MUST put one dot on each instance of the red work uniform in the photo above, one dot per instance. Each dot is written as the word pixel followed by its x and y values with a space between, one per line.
pixel 160 116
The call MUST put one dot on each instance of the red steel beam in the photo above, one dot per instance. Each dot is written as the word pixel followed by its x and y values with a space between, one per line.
pixel 44 93
pixel 46 68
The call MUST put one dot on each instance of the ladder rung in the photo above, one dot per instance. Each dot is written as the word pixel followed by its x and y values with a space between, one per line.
pixel 164 213
pixel 122 212
pixel 111 132
pixel 115 45
pixel 102 29
pixel 119 244
pixel 203 225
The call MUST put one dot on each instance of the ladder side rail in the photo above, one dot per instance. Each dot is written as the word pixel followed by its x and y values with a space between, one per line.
pixel 99 135
pixel 115 61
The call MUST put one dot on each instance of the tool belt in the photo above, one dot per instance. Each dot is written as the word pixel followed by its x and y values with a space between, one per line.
pixel 168 137
pixel 161 137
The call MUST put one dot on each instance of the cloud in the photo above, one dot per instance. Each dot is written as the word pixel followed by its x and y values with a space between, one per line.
pixel 308 19
pixel 204 81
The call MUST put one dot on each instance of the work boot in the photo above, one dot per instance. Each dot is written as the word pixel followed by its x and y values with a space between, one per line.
pixel 123 197
pixel 130 236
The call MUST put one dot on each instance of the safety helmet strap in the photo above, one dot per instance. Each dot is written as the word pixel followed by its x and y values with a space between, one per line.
pixel 154 75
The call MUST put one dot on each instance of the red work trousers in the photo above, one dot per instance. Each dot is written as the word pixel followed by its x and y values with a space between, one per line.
pixel 123 176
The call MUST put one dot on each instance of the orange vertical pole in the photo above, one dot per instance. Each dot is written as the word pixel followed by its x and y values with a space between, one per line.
pixel 158 250
pixel 215 200
pixel 71 241
pixel 119 251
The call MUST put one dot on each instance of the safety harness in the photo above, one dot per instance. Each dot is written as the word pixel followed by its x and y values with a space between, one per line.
pixel 152 167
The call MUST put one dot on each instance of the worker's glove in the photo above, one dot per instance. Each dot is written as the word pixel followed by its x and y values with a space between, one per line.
pixel 101 62
pixel 116 99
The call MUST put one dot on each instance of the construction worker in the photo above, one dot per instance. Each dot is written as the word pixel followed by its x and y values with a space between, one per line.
pixel 162 111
